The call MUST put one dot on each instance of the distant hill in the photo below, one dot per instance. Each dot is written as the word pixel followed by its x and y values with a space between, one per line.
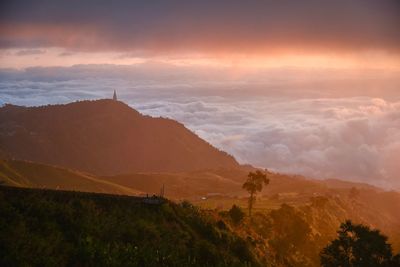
pixel 104 137
pixel 34 175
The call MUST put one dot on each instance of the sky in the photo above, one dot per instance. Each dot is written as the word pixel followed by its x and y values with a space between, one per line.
pixel 229 32
pixel 307 87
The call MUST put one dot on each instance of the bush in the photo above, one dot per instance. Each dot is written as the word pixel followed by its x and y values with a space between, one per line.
pixel 236 214
pixel 242 250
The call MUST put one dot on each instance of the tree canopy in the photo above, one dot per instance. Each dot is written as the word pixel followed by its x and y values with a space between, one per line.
pixel 358 246
pixel 254 184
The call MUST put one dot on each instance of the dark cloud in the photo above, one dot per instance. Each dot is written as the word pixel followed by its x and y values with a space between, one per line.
pixel 30 52
pixel 222 25
pixel 65 54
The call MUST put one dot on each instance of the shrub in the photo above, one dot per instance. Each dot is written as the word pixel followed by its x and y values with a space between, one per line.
pixel 236 214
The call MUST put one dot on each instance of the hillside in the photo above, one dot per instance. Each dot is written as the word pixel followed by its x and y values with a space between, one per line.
pixel 46 227
pixel 35 175
pixel 56 228
pixel 181 185
pixel 210 190
pixel 104 137
pixel 178 185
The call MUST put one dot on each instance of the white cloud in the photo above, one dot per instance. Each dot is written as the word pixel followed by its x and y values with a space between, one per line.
pixel 351 138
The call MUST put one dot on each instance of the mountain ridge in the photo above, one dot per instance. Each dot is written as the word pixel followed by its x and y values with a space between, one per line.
pixel 104 137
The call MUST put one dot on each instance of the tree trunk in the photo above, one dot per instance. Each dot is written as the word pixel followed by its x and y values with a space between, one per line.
pixel 251 203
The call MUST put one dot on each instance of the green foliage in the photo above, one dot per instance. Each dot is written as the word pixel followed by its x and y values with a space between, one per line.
pixel 292 236
pixel 236 214
pixel 358 246
pixel 56 228
pixel 254 184
pixel 241 249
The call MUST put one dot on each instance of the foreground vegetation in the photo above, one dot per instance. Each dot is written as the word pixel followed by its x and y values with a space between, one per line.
pixel 55 228
pixel 59 228
pixel 359 246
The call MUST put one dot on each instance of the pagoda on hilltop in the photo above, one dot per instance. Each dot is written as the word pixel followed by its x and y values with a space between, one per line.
pixel 115 96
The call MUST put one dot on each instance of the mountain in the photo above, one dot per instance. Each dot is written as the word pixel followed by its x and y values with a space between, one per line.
pixel 34 175
pixel 104 137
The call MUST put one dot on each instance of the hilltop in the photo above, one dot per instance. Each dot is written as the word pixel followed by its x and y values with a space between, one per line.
pixel 104 137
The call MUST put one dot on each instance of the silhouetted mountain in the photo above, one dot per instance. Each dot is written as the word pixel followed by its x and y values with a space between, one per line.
pixel 104 137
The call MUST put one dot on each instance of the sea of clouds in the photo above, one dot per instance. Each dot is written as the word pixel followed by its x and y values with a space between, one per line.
pixel 284 124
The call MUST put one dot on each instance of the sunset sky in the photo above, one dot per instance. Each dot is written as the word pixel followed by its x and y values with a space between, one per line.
pixel 308 87
pixel 255 33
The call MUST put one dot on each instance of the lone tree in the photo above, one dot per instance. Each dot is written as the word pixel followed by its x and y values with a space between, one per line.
pixel 358 246
pixel 254 184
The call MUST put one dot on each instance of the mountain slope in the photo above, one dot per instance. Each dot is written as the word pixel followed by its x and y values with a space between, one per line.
pixel 185 185
pixel 104 137
pixel 29 174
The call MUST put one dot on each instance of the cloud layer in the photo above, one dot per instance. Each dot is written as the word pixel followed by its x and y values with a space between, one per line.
pixel 350 138
pixel 323 128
